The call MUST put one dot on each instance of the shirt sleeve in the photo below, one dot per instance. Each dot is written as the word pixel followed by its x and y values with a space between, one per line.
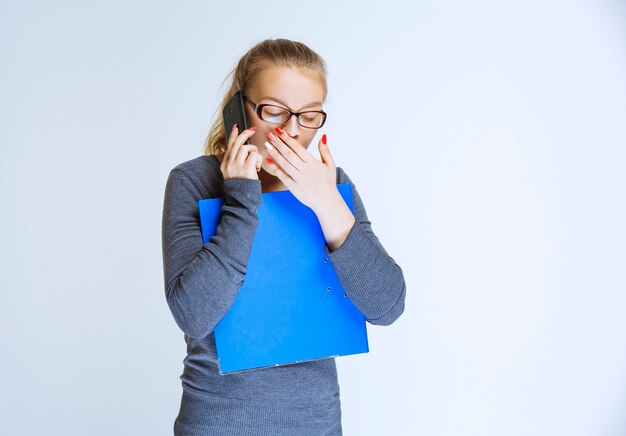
pixel 369 276
pixel 202 280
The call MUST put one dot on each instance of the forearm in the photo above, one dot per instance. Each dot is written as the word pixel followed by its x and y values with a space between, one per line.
pixel 369 276
pixel 202 294
pixel 202 280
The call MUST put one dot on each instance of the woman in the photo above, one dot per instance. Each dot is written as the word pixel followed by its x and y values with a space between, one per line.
pixel 284 83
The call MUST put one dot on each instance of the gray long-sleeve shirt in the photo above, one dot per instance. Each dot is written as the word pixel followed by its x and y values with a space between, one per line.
pixel 202 282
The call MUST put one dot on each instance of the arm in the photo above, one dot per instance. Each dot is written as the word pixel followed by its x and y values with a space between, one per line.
pixel 369 276
pixel 202 280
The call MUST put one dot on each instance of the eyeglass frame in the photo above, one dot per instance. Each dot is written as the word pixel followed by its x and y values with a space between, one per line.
pixel 258 108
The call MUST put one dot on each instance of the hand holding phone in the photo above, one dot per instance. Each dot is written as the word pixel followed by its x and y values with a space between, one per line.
pixel 241 160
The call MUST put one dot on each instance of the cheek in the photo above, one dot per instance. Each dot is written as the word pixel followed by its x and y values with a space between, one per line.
pixel 258 139
pixel 261 135
pixel 309 139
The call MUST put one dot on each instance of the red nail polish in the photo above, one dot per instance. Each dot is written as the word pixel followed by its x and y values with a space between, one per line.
pixel 324 139
pixel 253 128
pixel 269 160
pixel 279 130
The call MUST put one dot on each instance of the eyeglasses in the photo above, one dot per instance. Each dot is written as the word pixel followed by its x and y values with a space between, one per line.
pixel 279 115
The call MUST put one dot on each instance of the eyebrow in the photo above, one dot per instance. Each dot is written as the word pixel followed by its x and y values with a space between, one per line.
pixel 317 103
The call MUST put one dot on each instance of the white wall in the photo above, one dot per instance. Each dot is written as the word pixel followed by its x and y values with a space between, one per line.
pixel 497 149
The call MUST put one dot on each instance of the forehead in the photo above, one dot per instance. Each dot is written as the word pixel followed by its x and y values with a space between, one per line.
pixel 296 87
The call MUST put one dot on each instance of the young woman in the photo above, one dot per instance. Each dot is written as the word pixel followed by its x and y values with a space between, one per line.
pixel 284 84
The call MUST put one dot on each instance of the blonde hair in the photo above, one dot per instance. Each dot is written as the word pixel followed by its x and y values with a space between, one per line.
pixel 270 52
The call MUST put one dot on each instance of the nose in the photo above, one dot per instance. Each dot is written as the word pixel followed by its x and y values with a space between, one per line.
pixel 291 126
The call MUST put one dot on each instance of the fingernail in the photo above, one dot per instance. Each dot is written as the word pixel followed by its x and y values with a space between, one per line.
pixel 234 126
pixel 271 136
pixel 252 129
pixel 269 146
pixel 324 139
pixel 269 160
pixel 279 130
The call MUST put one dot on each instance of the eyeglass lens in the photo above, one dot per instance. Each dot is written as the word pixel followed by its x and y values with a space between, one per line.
pixel 277 115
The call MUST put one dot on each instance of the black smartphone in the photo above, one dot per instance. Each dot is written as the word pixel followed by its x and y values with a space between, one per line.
pixel 234 112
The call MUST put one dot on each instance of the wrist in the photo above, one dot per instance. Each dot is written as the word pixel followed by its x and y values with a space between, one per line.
pixel 329 204
pixel 336 220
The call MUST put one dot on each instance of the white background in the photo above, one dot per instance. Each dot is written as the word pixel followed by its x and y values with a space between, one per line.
pixel 486 139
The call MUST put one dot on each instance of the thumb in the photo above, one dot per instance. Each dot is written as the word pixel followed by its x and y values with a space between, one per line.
pixel 327 158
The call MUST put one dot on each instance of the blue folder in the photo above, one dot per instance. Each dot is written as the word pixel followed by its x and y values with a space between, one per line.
pixel 291 307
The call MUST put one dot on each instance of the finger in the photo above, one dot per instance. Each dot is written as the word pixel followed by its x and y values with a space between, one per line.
pixel 272 168
pixel 279 159
pixel 322 146
pixel 253 160
pixel 259 161
pixel 242 153
pixel 267 161
pixel 294 145
pixel 287 153
pixel 240 139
